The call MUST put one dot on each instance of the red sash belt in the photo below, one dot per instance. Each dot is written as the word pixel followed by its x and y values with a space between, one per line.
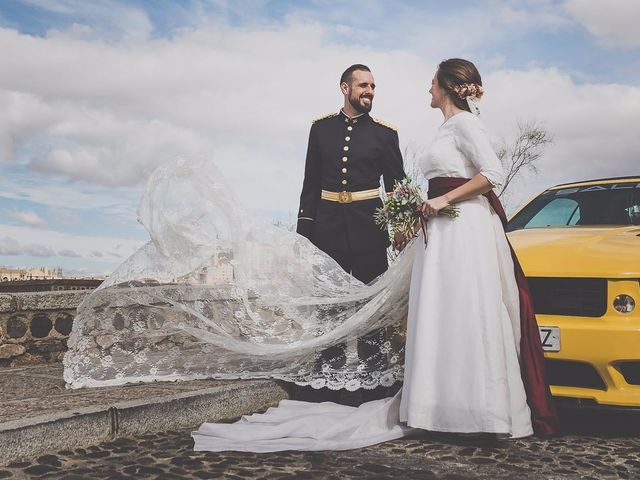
pixel 543 412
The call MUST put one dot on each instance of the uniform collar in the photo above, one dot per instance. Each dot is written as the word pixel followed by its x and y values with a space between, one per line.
pixel 363 117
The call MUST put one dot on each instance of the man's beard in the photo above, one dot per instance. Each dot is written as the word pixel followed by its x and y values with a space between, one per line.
pixel 355 103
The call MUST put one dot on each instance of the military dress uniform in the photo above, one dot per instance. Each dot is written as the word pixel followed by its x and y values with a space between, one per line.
pixel 345 159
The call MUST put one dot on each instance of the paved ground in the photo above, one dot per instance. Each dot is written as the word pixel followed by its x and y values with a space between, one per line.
pixel 593 446
pixel 39 415
pixel 28 391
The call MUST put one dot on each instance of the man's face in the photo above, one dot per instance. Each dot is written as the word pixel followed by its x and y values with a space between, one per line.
pixel 361 91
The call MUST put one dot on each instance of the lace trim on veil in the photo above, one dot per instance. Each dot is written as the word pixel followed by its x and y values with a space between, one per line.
pixel 217 294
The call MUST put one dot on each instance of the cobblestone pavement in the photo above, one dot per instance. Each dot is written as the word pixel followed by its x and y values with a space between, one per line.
pixel 593 446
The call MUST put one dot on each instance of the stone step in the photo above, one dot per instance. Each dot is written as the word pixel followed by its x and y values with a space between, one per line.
pixel 39 415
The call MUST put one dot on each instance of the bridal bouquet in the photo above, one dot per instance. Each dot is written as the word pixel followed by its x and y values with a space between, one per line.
pixel 400 210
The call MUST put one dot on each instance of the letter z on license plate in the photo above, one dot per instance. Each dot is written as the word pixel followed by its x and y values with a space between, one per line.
pixel 550 338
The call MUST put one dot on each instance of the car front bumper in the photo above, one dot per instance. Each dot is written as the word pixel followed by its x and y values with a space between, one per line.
pixel 599 358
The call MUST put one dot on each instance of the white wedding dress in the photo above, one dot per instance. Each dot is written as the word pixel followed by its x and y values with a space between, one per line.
pixel 462 371
pixel 461 362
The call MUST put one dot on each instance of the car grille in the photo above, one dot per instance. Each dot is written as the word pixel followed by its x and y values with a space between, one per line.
pixel 631 372
pixel 585 297
pixel 565 373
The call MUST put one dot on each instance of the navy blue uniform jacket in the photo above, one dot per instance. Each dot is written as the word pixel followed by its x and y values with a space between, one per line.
pixel 347 155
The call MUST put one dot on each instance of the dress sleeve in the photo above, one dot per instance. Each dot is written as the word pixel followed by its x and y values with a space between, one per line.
pixel 471 139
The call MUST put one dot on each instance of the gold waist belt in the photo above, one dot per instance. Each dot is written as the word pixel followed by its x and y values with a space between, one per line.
pixel 348 197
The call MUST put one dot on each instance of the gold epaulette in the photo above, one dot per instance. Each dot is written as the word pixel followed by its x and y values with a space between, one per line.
pixel 328 115
pixel 384 124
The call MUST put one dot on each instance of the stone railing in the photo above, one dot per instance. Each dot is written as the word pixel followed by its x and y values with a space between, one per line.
pixel 34 327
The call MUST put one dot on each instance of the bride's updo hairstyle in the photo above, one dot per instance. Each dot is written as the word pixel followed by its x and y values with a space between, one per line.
pixel 455 72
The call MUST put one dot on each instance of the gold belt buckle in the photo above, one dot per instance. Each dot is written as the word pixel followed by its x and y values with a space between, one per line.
pixel 345 197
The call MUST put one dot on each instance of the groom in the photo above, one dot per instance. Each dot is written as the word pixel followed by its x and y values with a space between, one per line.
pixel 348 152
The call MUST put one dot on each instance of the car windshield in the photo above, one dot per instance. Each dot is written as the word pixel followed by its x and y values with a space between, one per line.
pixel 605 204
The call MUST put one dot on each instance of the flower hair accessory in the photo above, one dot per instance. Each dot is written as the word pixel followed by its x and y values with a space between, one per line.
pixel 472 93
pixel 466 90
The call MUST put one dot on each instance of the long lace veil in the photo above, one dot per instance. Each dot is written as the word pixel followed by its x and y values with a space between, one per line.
pixel 217 294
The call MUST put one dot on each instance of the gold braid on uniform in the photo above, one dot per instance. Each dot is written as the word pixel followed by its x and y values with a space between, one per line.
pixel 384 124
pixel 328 115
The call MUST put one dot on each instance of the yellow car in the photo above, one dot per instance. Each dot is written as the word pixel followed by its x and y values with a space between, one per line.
pixel 579 245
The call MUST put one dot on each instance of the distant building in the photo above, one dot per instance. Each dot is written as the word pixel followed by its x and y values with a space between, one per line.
pixel 8 274
pixel 49 285
pixel 219 274
pixel 218 271
pixel 42 279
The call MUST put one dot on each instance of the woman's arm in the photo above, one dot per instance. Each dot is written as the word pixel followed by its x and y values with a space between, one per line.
pixel 474 144
pixel 478 185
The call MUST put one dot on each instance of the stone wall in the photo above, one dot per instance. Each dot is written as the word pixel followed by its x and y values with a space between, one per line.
pixel 34 327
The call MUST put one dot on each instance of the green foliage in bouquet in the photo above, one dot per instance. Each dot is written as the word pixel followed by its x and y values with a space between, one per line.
pixel 400 213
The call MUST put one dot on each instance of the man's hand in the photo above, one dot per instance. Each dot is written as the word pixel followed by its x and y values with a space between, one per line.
pixel 400 241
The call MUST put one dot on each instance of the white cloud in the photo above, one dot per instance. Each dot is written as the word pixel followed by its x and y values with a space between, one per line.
pixel 614 22
pixel 111 19
pixel 62 195
pixel 90 119
pixel 531 14
pixel 28 217
pixel 10 246
pixel 590 140
pixel 56 6
pixel 19 241
pixel 69 253
pixel 64 216
pixel 112 114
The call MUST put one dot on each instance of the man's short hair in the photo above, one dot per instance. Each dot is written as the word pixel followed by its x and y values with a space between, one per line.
pixel 348 73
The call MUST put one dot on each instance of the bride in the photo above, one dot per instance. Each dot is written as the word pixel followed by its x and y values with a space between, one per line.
pixel 473 360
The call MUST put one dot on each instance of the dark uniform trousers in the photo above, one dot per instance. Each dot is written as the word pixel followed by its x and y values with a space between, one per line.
pixel 365 265
pixel 349 155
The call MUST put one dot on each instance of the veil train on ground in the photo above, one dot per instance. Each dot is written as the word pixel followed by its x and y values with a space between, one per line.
pixel 218 294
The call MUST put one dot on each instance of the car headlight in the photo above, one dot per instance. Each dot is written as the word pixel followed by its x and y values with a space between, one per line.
pixel 624 303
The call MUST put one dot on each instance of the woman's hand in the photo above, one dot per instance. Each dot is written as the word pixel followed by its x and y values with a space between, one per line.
pixel 430 208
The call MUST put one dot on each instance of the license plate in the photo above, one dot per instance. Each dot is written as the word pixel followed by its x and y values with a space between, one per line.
pixel 550 338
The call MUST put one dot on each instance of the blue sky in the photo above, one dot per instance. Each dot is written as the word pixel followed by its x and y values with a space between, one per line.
pixel 97 94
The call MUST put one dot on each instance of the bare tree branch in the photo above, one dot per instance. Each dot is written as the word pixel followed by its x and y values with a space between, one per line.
pixel 411 156
pixel 526 150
